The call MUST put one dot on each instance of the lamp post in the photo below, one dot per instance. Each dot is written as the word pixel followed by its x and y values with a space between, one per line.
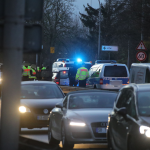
pixel 99 38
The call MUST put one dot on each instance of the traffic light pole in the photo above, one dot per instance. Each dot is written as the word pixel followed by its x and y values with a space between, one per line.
pixel 12 48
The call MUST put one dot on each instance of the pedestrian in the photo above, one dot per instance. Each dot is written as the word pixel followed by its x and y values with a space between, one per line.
pixel 72 75
pixel 82 75
pixel 25 71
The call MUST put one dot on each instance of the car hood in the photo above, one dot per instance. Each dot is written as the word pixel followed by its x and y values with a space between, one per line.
pixel 40 103
pixel 89 115
pixel 146 120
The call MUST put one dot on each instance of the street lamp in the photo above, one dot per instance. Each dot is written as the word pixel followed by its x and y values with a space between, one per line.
pixel 99 38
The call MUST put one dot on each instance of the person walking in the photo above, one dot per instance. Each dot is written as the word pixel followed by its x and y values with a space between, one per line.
pixel 82 75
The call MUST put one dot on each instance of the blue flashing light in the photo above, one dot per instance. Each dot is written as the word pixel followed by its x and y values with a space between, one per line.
pixel 79 60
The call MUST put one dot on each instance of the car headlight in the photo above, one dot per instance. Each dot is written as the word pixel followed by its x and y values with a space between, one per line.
pixel 24 109
pixel 80 124
pixel 145 130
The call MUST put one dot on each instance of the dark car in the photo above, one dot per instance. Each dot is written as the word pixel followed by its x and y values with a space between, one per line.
pixel 129 122
pixel 38 98
pixel 81 118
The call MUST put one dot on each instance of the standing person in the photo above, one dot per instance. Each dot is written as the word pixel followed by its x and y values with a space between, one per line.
pixel 82 75
pixel 25 72
pixel 72 75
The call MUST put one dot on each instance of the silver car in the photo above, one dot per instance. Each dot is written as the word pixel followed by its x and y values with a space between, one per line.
pixel 81 118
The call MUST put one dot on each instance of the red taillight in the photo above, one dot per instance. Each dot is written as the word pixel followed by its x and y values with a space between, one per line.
pixel 57 82
pixel 55 77
pixel 65 65
pixel 64 72
pixel 101 81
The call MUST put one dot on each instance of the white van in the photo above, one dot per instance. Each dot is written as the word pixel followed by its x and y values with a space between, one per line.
pixel 108 76
pixel 140 73
pixel 60 76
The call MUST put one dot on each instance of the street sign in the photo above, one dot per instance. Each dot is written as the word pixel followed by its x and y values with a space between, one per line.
pixel 141 56
pixel 109 48
pixel 52 50
pixel 141 46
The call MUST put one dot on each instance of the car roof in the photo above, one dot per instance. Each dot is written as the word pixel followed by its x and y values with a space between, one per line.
pixel 87 91
pixel 36 82
pixel 140 65
pixel 138 87
pixel 108 64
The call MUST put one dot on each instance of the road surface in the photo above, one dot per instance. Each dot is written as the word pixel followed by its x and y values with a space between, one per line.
pixel 41 136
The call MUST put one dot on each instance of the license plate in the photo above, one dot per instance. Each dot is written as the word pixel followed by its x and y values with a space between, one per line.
pixel 100 130
pixel 42 117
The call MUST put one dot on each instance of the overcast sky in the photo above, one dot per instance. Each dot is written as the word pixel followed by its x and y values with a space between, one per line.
pixel 79 4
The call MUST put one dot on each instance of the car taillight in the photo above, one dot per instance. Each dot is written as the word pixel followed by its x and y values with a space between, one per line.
pixel 128 81
pixel 55 77
pixel 57 83
pixel 65 65
pixel 101 81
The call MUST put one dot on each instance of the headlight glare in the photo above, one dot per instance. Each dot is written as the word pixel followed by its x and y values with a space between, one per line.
pixel 143 129
pixel 147 133
pixel 24 109
pixel 81 124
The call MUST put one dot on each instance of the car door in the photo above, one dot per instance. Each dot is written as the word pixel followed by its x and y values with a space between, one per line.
pixel 123 123
pixel 116 118
pixel 58 117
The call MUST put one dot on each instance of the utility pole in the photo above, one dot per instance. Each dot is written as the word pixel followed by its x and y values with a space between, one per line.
pixel 99 38
pixel 12 47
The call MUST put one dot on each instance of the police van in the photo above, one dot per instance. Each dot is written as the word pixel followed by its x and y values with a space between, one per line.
pixel 60 76
pixel 140 73
pixel 108 76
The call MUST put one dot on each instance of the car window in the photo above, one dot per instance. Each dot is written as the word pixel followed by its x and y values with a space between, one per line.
pixel 63 74
pixel 40 91
pixel 144 103
pixel 147 77
pixel 92 100
pixel 130 105
pixel 115 71
pixel 124 96
pixel 65 102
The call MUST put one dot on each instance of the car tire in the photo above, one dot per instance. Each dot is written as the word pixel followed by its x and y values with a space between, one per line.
pixel 51 140
pixel 109 140
pixel 65 143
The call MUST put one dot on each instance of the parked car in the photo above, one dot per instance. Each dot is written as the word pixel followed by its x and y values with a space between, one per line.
pixel 38 98
pixel 129 123
pixel 108 76
pixel 140 73
pixel 81 118
pixel 60 76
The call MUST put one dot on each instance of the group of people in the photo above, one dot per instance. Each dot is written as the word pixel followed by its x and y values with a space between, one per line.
pixel 78 75
pixel 30 72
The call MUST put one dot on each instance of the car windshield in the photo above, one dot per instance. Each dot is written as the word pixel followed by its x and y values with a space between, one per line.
pixel 115 71
pixel 40 91
pixel 144 103
pixel 92 100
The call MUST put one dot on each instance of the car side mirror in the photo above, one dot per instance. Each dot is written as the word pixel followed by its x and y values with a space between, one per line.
pixel 122 111
pixel 59 105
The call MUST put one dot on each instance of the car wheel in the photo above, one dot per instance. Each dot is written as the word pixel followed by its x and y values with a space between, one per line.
pixel 51 140
pixel 109 140
pixel 65 143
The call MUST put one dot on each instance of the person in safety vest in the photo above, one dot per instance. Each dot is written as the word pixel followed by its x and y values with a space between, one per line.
pixel 25 72
pixel 32 73
pixel 82 75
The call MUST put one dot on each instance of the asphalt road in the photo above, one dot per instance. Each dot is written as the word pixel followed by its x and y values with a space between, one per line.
pixel 41 136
